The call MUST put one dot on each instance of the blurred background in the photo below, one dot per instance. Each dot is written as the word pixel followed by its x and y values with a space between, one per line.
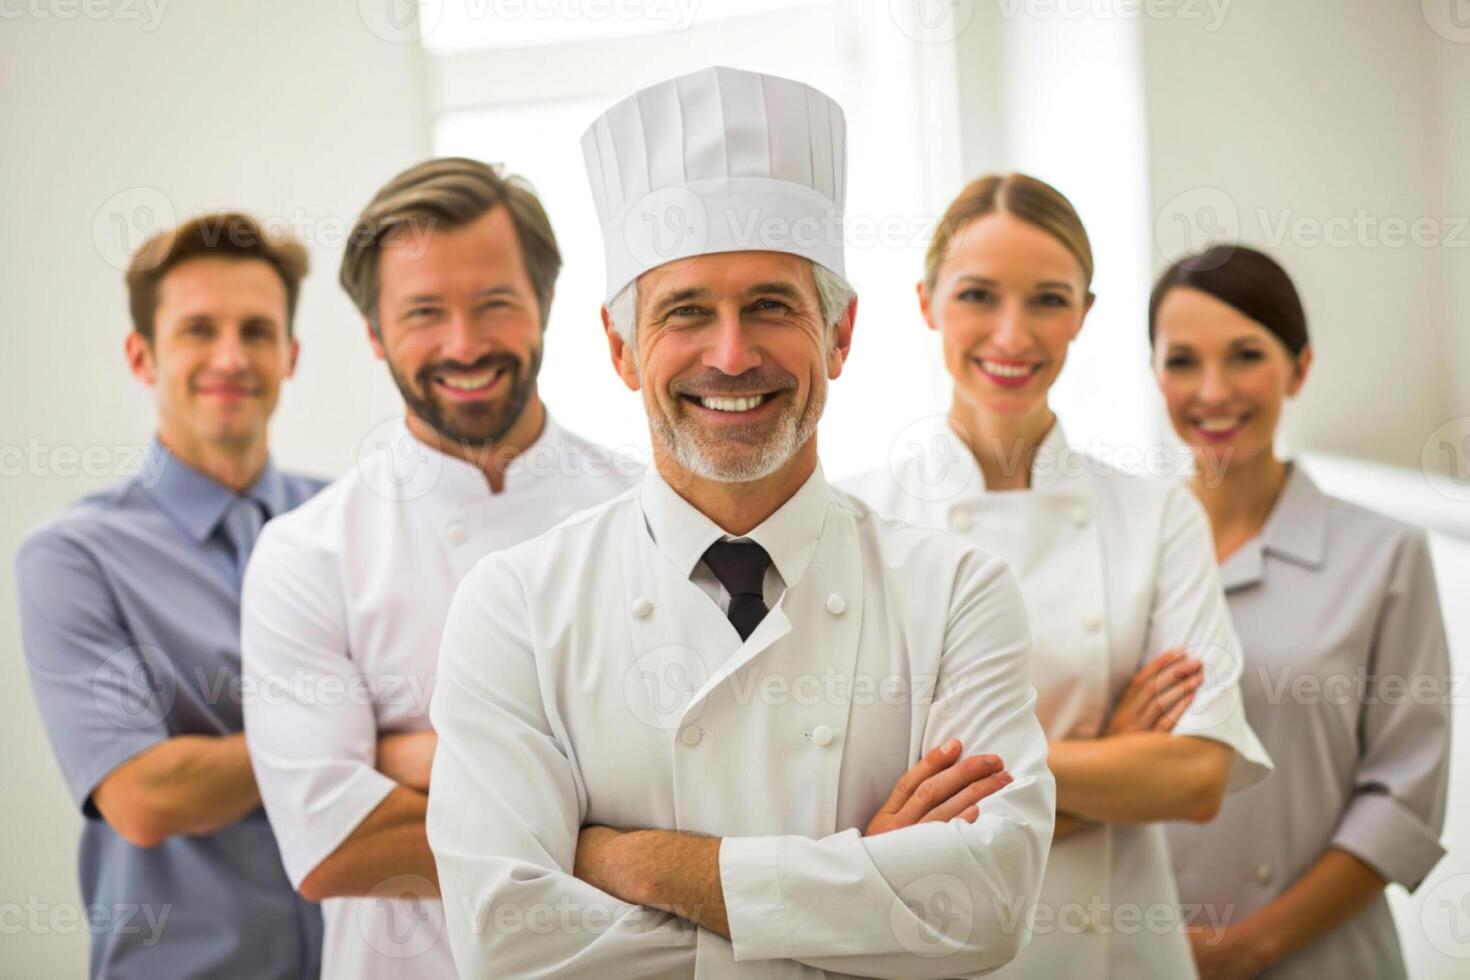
pixel 1331 133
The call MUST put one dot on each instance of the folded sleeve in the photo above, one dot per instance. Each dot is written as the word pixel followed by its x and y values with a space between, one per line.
pixel 103 697
pixel 933 900
pixel 505 813
pixel 310 726
pixel 1190 614
pixel 1394 818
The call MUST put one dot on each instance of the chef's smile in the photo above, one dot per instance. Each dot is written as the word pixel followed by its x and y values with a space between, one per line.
pixel 462 385
pixel 1008 372
pixel 742 408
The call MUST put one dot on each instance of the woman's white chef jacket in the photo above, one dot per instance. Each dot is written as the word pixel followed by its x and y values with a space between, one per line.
pixel 1116 569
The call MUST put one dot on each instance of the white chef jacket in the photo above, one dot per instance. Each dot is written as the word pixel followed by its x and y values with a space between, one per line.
pixel 1347 680
pixel 342 611
pixel 629 700
pixel 1116 569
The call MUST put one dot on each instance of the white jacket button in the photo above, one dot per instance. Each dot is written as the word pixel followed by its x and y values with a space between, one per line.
pixel 458 534
pixel 1080 515
pixel 1092 622
pixel 822 735
pixel 691 735
pixel 836 605
pixel 1263 873
pixel 642 607
pixel 960 520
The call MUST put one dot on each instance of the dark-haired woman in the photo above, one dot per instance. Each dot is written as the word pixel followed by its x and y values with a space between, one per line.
pixel 1134 661
pixel 1345 653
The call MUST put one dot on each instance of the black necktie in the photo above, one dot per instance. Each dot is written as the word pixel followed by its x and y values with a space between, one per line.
pixel 741 568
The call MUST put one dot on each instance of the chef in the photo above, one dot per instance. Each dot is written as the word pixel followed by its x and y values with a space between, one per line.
pixel 666 727
pixel 452 266
pixel 1136 666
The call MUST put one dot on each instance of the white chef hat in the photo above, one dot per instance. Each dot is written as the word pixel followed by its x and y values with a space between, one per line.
pixel 722 160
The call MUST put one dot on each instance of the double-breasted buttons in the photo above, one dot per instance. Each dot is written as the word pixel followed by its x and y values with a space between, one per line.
pixel 821 735
pixel 836 605
pixel 642 607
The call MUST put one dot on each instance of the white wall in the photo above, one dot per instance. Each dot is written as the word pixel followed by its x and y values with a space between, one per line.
pixel 1290 115
pixel 271 106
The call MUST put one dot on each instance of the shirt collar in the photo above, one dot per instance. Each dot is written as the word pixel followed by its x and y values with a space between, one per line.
pixel 1296 530
pixel 196 500
pixel 790 536
pixel 449 476
pixel 1055 467
pixel 1297 527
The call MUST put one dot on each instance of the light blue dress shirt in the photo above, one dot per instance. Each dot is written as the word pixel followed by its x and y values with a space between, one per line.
pixel 130 613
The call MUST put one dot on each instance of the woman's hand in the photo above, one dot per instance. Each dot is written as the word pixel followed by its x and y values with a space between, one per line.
pixel 1224 953
pixel 1158 695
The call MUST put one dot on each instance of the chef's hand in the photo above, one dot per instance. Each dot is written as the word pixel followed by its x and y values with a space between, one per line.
pixel 406 757
pixel 940 786
pixel 1224 953
pixel 1158 695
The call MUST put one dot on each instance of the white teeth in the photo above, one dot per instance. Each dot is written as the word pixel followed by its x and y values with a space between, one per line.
pixel 472 383
pixel 1006 370
pixel 1220 425
pixel 731 404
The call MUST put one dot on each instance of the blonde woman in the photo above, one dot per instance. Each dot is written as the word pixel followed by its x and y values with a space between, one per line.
pixel 1134 660
pixel 1344 646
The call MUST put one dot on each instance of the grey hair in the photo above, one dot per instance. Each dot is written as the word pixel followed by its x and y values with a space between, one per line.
pixel 834 295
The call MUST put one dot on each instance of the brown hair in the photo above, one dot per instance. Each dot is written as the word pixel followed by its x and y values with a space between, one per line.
pixel 1033 201
pixel 223 234
pixel 447 193
pixel 1241 277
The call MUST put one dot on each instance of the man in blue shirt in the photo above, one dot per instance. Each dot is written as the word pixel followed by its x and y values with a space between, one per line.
pixel 130 611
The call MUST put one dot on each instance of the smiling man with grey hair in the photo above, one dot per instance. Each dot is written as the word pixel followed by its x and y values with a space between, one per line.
pixel 680 766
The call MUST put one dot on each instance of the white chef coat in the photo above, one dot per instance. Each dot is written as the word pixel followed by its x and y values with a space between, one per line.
pixel 1116 570
pixel 630 701
pixel 342 612
pixel 1347 680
